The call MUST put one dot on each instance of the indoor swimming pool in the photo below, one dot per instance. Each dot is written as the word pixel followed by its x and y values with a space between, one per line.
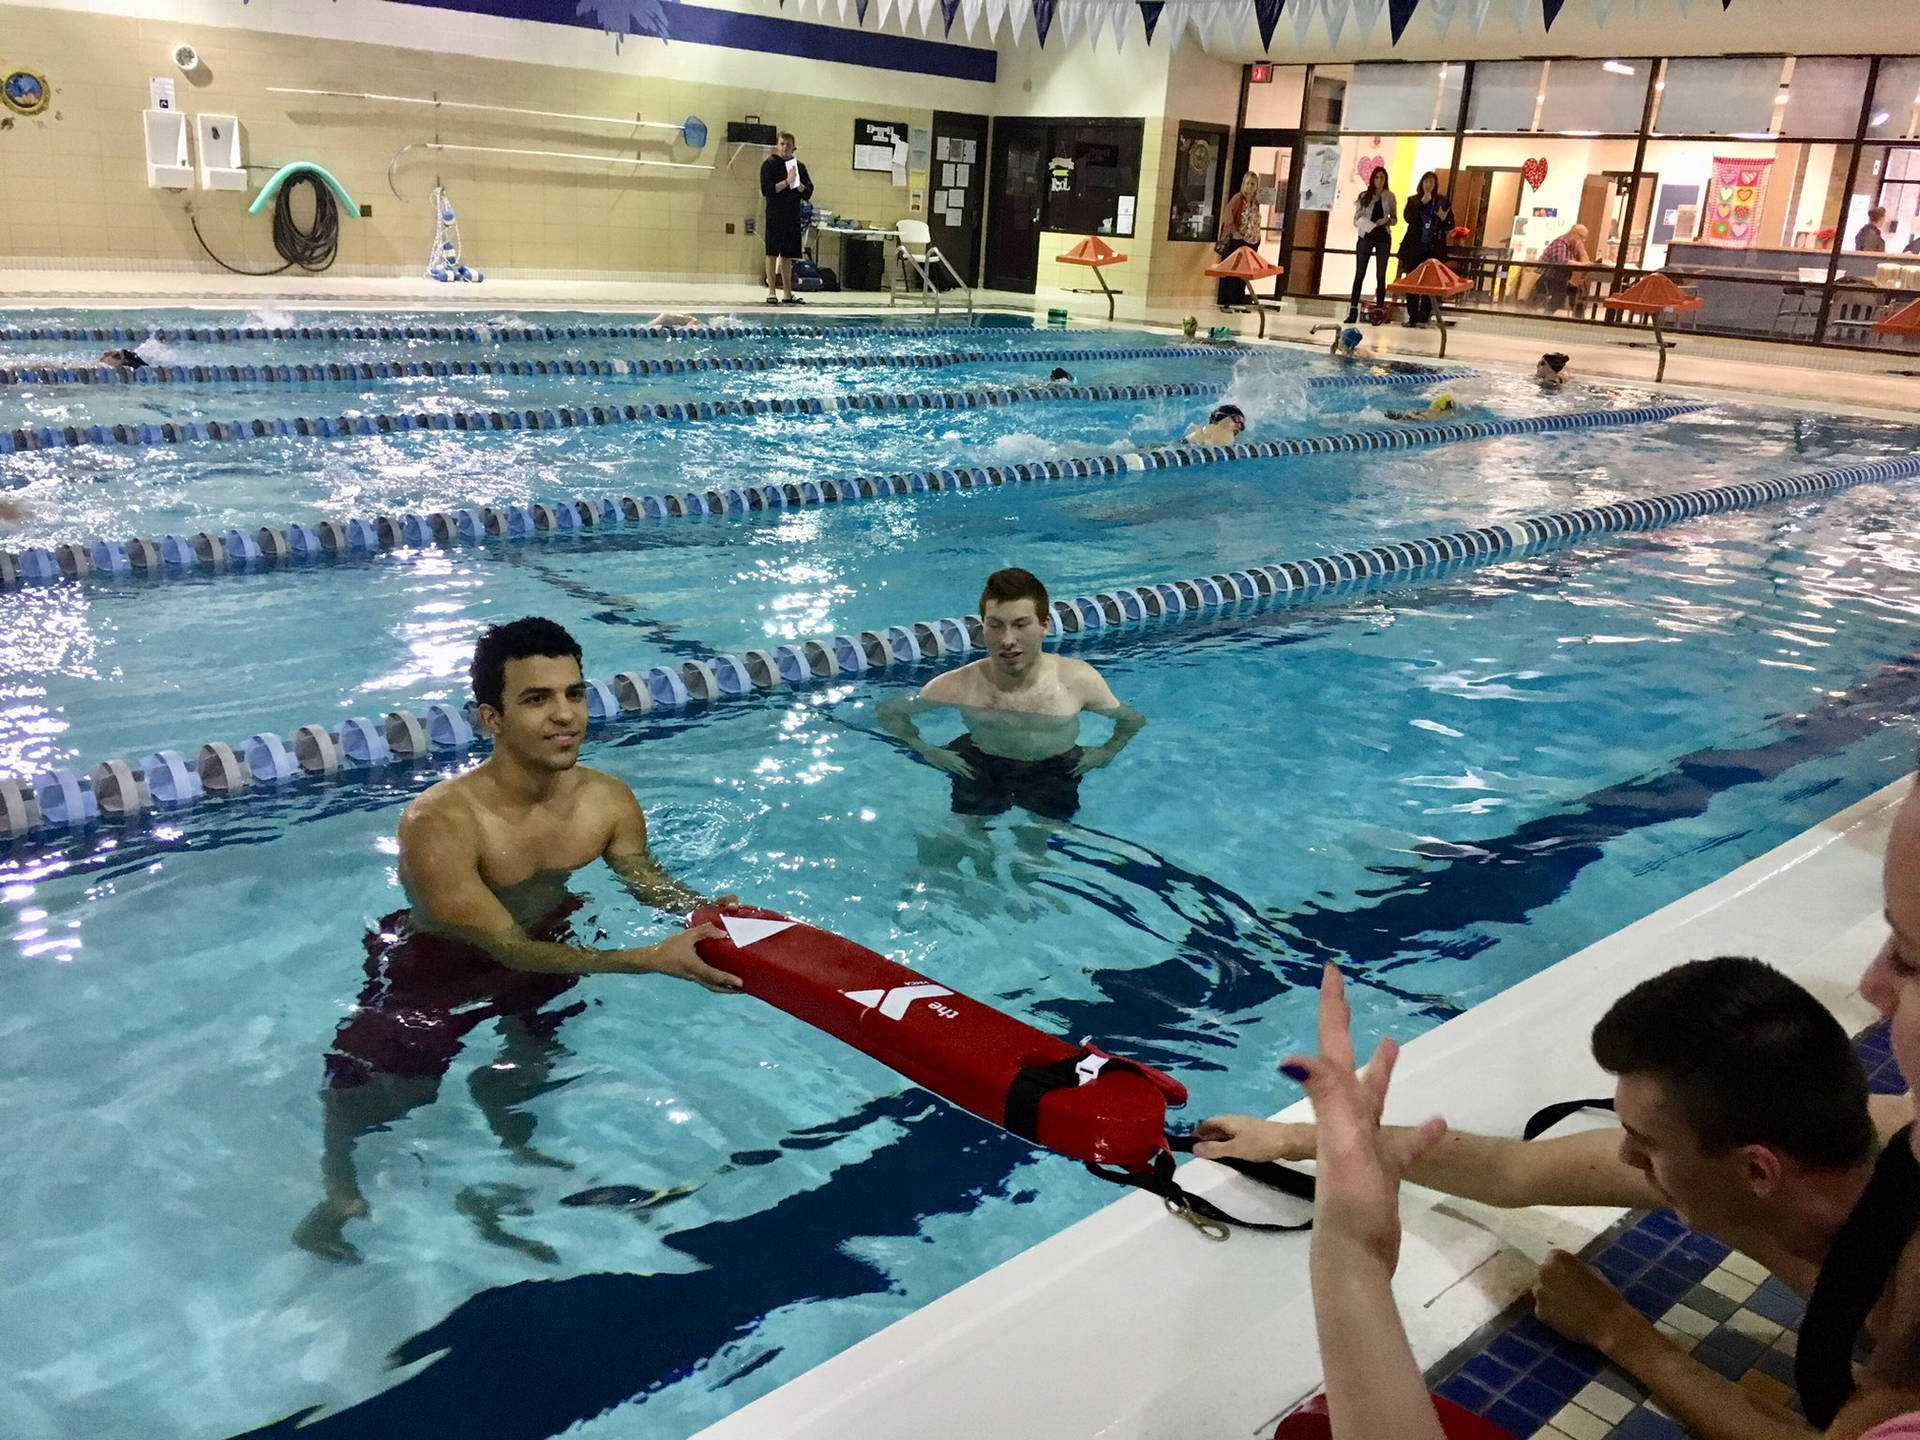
pixel 676 1201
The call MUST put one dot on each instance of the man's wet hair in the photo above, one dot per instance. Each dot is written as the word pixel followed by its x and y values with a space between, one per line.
pixel 1554 361
pixel 521 639
pixel 1228 412
pixel 1014 584
pixel 1059 374
pixel 1748 1057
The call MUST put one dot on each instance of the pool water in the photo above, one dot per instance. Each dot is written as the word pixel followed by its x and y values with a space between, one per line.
pixel 1446 787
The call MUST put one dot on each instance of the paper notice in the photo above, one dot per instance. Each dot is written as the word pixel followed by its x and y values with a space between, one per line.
pixel 900 173
pixel 961 174
pixel 1125 220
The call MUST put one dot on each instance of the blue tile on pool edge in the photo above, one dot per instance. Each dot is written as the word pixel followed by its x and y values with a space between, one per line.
pixel 1536 1399
pixel 1781 1309
pixel 1663 1223
pixel 1466 1392
pixel 1512 1419
pixel 1489 1370
pixel 1645 1425
pixel 1567 1373
pixel 1513 1351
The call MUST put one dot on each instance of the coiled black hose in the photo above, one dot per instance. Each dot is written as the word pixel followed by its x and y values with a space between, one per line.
pixel 312 249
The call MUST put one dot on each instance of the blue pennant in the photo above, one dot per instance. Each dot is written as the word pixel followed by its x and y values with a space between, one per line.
pixel 949 9
pixel 1550 11
pixel 1267 12
pixel 626 17
pixel 1399 12
pixel 1043 19
pixel 1150 15
pixel 860 10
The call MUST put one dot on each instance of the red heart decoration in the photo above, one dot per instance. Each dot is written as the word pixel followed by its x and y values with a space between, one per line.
pixel 1534 172
pixel 1366 165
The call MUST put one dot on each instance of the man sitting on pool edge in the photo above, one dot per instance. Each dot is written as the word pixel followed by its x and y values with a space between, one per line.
pixel 484 859
pixel 1022 709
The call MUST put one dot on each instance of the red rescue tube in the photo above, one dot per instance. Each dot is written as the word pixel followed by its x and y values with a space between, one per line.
pixel 1073 1099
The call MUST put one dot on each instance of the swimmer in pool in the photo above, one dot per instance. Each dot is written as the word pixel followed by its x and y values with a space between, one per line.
pixel 12 512
pixel 1437 408
pixel 1224 426
pixel 1351 344
pixel 484 859
pixel 1022 709
pixel 671 320
pixel 1060 377
pixel 123 360
pixel 1551 372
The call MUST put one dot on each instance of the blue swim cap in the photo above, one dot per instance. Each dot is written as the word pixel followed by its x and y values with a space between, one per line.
pixel 1351 337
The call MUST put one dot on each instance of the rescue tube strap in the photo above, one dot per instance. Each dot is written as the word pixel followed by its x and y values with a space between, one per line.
pixel 1198 1211
pixel 1034 1083
pixel 1548 1116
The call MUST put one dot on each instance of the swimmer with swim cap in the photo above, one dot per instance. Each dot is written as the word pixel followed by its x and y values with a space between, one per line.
pixel 1351 344
pixel 123 360
pixel 1021 707
pixel 1552 370
pixel 1061 377
pixel 485 859
pixel 671 320
pixel 1441 404
pixel 1224 426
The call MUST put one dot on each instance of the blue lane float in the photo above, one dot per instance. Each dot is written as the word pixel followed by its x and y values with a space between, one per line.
pixel 567 417
pixel 1368 378
pixel 64 798
pixel 373 371
pixel 485 334
pixel 579 518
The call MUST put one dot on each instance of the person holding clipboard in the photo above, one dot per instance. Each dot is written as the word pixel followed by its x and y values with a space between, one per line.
pixel 787 186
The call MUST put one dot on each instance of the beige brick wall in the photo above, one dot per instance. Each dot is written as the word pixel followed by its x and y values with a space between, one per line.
pixel 73 182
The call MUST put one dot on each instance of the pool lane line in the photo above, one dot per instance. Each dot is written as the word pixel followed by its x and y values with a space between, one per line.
pixel 66 798
pixel 364 371
pixel 1380 377
pixel 570 417
pixel 580 518
pixel 488 334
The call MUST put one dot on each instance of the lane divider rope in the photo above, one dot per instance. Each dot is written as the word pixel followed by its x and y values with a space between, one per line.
pixel 580 518
pixel 485 334
pixel 66 798
pixel 564 417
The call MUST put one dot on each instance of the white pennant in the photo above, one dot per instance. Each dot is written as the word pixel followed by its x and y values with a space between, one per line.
pixel 970 16
pixel 1334 14
pixel 881 10
pixel 1477 14
pixel 1442 12
pixel 843 12
pixel 1018 13
pixel 995 12
pixel 927 8
pixel 1519 8
pixel 1065 22
pixel 1601 10
pixel 1366 14
pixel 1123 16
pixel 1685 6
pixel 1206 24
pixel 1302 18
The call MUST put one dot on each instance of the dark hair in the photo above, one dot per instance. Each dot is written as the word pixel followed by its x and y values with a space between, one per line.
pixel 1015 584
pixel 1228 412
pixel 1554 361
pixel 516 640
pixel 789 135
pixel 1430 175
pixel 1378 171
pixel 1059 374
pixel 1748 1057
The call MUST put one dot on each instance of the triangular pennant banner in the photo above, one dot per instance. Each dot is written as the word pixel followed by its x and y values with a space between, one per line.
pixel 949 9
pixel 1550 11
pixel 1601 10
pixel 1150 15
pixel 1267 12
pixel 1043 19
pixel 1399 12
pixel 860 10
pixel 1367 14
pixel 995 12
pixel 1477 14
pixel 927 7
pixel 1302 18
pixel 1334 14
pixel 1069 22
pixel 1442 12
pixel 1519 8
pixel 883 13
pixel 1017 13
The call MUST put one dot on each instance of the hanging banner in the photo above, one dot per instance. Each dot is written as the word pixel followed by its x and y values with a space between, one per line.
pixel 1442 12
pixel 1267 12
pixel 1733 203
pixel 1550 11
pixel 1043 19
pixel 1399 12
pixel 1366 14
pixel 1150 15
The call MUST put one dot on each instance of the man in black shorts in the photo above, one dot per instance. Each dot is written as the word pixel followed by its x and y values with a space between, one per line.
pixel 1021 707
pixel 788 187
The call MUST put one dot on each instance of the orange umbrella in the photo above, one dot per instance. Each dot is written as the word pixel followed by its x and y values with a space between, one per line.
pixel 1246 263
pixel 1096 255
pixel 1904 321
pixel 1433 279
pixel 1653 295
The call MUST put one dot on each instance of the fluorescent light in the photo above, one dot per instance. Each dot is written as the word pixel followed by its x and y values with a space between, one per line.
pixel 1661 85
pixel 1781 98
pixel 1880 118
pixel 1614 67
pixel 1540 97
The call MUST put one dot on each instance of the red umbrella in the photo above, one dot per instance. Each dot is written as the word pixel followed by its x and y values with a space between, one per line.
pixel 1904 321
pixel 1096 255
pixel 1653 295
pixel 1433 279
pixel 1246 263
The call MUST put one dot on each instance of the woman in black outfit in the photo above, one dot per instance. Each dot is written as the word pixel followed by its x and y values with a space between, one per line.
pixel 1373 216
pixel 1429 216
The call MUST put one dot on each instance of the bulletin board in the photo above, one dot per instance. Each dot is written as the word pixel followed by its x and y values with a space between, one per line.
pixel 876 143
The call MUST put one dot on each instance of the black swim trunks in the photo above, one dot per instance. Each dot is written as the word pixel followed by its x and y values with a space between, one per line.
pixel 424 993
pixel 1048 787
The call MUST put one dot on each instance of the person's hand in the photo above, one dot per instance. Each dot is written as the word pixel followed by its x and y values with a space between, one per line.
pixel 1242 1137
pixel 1575 1299
pixel 677 956
pixel 1094 758
pixel 1357 1192
pixel 942 758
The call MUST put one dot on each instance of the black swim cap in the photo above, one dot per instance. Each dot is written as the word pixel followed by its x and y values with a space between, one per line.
pixel 1554 361
pixel 1227 412
pixel 1059 374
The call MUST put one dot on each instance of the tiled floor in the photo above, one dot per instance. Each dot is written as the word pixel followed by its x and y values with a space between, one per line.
pixel 1728 1311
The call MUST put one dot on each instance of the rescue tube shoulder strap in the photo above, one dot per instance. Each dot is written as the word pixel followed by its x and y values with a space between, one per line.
pixel 1858 1266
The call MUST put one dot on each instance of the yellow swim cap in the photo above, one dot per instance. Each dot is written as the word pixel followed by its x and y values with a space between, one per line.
pixel 1441 404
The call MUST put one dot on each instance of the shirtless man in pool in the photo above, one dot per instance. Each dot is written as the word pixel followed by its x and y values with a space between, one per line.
pixel 484 859
pixel 1021 707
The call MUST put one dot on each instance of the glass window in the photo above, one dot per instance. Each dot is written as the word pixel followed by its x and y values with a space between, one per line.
pixel 1090 170
pixel 1384 99
pixel 1327 96
pixel 1715 96
pixel 1275 105
pixel 1896 101
pixel 1199 161
pixel 1505 95
pixel 1600 96
pixel 1823 97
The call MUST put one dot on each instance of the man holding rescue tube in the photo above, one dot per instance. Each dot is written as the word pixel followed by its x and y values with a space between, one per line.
pixel 484 859
pixel 1021 707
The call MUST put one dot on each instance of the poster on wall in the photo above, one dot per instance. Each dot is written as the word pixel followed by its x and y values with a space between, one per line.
pixel 1676 213
pixel 1320 177
pixel 876 142
pixel 1733 201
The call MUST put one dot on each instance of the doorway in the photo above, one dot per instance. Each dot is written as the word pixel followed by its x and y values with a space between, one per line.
pixel 958 186
pixel 1019 189
pixel 1270 155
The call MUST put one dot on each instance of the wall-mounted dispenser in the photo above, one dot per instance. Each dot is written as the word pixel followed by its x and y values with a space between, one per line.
pixel 222 166
pixel 169 166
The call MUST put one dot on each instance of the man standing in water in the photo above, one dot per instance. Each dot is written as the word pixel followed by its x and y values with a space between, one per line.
pixel 1021 707
pixel 484 859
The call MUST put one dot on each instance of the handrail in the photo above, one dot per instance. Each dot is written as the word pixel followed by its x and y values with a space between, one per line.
pixel 400 154
pixel 635 122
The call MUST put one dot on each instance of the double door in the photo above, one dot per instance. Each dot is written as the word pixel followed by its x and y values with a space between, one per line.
pixel 1270 155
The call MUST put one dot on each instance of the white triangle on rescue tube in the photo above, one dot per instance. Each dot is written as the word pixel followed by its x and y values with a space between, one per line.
pixel 744 930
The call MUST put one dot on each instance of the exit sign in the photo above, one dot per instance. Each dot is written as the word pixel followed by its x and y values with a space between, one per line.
pixel 1260 74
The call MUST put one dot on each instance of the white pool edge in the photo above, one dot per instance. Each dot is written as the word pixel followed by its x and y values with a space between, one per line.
pixel 1130 1326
